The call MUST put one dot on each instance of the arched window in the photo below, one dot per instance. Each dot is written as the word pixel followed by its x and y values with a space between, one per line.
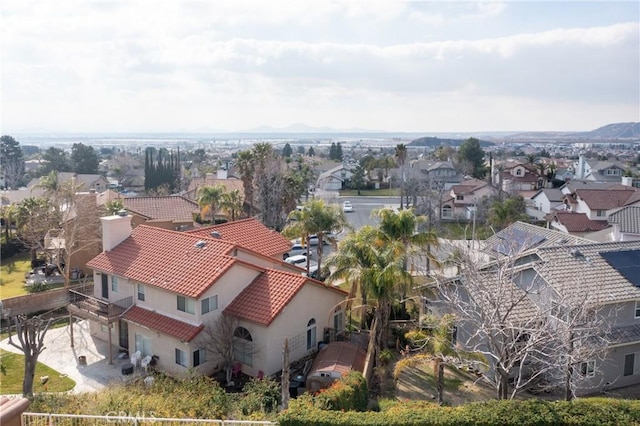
pixel 311 333
pixel 243 346
pixel 446 211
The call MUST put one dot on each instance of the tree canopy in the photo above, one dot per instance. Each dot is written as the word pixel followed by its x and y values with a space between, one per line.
pixel 11 162
pixel 84 159
pixel 471 157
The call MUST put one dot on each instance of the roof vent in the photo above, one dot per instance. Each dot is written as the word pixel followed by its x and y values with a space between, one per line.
pixel 216 234
pixel 577 254
pixel 563 240
pixel 122 213
pixel 200 244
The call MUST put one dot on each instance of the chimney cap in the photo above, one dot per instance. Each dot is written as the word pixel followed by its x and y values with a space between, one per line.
pixel 122 213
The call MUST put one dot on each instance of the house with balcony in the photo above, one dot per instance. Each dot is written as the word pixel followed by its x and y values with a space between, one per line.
pixel 541 277
pixel 162 293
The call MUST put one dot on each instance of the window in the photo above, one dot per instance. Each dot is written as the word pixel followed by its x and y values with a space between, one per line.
pixel 588 369
pixel 518 172
pixel 187 305
pixel 637 315
pixel 209 304
pixel 181 357
pixel 601 213
pixel 199 357
pixel 114 284
pixel 143 345
pixel 141 292
pixel 632 364
pixel 311 334
pixel 459 197
pixel 338 320
pixel 446 211
pixel 243 346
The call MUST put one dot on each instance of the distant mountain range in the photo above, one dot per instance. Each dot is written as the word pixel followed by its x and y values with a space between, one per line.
pixel 611 131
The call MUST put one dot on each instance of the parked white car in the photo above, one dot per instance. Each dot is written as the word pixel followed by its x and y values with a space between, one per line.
pixel 347 207
pixel 300 261
pixel 297 249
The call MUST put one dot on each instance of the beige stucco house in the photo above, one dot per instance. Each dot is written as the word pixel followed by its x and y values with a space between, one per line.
pixel 161 292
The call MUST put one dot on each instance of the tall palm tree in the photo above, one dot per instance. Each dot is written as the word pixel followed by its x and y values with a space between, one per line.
pixel 401 157
pixel 245 163
pixel 232 202
pixel 209 197
pixel 8 215
pixel 350 262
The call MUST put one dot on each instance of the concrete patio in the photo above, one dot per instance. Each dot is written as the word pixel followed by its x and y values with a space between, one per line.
pixel 59 354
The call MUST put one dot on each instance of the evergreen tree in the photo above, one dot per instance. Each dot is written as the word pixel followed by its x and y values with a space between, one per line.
pixel 338 152
pixel 12 162
pixel 332 151
pixel 84 159
pixel 287 151
pixel 312 152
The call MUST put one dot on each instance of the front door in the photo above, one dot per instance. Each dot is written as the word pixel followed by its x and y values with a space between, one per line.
pixel 124 334
pixel 105 286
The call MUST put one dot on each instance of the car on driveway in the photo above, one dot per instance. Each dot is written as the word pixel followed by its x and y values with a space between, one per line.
pixel 300 261
pixel 297 249
pixel 347 207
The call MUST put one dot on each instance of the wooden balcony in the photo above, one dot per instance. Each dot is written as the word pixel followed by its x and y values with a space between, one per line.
pixel 82 303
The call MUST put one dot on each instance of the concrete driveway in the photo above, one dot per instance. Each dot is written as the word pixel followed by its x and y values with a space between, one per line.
pixel 59 355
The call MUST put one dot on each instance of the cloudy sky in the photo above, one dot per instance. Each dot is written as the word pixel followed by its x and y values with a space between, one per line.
pixel 424 66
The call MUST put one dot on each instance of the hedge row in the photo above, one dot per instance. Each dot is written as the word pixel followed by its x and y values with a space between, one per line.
pixel 350 392
pixel 596 412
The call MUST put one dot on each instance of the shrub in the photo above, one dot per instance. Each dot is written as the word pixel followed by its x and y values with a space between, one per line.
pixel 350 392
pixel 260 395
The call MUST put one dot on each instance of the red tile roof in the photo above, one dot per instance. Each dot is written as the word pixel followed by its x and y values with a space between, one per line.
pixel 168 260
pixel 263 300
pixel 155 321
pixel 162 208
pixel 578 222
pixel 598 199
pixel 249 233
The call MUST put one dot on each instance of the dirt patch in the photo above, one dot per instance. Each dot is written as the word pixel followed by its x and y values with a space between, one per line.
pixel 418 383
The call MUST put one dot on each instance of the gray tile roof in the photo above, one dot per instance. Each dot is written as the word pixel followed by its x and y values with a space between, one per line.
pixel 581 268
pixel 628 218
pixel 539 237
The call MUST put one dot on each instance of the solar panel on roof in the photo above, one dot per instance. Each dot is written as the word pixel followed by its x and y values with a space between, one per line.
pixel 516 240
pixel 626 262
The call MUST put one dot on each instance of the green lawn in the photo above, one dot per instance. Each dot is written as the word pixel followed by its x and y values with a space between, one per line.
pixel 12 275
pixel 12 375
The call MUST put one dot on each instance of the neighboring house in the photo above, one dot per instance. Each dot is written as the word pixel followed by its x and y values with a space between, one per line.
pixel 168 212
pixel 545 201
pixel 334 179
pixel 548 266
pixel 514 176
pixel 600 171
pixel 83 182
pixel 597 204
pixel 159 292
pixel 624 225
pixel 574 223
pixel 211 179
pixel 439 174
pixel 461 200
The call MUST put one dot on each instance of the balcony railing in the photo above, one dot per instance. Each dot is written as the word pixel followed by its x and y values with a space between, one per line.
pixel 82 303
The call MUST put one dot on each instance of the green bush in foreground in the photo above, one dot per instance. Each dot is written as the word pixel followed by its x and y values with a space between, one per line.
pixel 350 392
pixel 596 412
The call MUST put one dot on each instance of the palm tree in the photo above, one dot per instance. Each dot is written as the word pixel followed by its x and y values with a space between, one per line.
pixel 245 163
pixel 503 214
pixel 231 202
pixel 209 197
pixel 315 218
pixel 401 157
pixel 402 227
pixel 350 262
pixel 8 215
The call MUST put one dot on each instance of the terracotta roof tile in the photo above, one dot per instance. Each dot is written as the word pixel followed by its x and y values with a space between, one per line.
pixel 249 233
pixel 608 199
pixel 168 260
pixel 578 222
pixel 263 300
pixel 155 321
pixel 162 208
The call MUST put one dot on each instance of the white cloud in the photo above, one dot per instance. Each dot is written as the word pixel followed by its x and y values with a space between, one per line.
pixel 239 64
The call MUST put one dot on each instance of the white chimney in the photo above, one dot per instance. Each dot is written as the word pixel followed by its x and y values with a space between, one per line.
pixel 222 174
pixel 115 229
